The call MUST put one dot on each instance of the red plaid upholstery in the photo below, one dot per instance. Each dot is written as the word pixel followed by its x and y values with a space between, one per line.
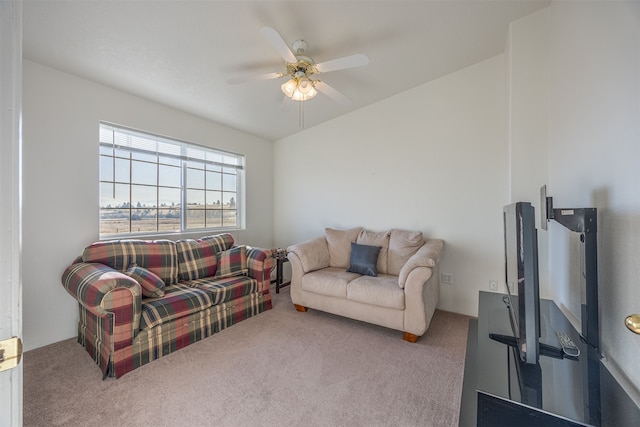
pixel 109 308
pixel 152 285
pixel 151 344
pixel 232 262
pixel 223 290
pixel 260 263
pixel 220 242
pixel 112 327
pixel 94 286
pixel 158 256
pixel 179 300
pixel 196 259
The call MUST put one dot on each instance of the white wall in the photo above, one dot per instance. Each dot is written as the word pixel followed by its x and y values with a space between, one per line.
pixel 431 159
pixel 60 189
pixel 594 155
pixel 591 66
pixel 528 130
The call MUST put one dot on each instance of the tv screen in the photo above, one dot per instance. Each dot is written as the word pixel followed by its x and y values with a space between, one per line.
pixel 521 275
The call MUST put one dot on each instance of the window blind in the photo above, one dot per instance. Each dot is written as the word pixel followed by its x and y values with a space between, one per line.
pixel 117 137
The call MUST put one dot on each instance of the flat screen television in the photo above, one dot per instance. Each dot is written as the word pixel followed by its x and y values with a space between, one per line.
pixel 521 275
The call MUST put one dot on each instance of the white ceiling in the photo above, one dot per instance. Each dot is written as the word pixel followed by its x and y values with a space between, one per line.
pixel 182 53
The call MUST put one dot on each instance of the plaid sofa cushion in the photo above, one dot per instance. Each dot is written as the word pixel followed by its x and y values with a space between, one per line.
pixel 158 256
pixel 221 242
pixel 197 258
pixel 179 300
pixel 223 290
pixel 232 262
pixel 152 286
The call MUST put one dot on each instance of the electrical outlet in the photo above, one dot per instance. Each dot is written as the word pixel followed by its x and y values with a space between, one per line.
pixel 446 278
pixel 493 285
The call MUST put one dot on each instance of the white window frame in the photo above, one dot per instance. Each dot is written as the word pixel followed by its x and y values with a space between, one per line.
pixel 197 173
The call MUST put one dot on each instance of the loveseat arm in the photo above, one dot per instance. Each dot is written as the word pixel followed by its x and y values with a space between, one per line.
pixel 260 264
pixel 313 254
pixel 427 256
pixel 105 292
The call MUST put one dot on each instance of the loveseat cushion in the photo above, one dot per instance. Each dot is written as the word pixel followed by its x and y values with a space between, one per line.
pixel 382 291
pixel 402 246
pixel 381 239
pixel 152 285
pixel 158 256
pixel 179 300
pixel 227 289
pixel 339 243
pixel 330 281
pixel 198 258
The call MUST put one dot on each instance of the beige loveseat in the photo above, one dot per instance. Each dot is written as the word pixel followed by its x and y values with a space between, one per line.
pixel 399 288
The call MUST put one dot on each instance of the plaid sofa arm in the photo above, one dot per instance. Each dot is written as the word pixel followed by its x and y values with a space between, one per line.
pixel 260 264
pixel 106 292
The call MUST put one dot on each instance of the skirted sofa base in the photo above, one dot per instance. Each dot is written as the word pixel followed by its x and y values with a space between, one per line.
pixel 198 287
pixel 151 344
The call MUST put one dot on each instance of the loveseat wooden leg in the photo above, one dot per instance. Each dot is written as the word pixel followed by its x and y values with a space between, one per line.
pixel 410 337
pixel 300 308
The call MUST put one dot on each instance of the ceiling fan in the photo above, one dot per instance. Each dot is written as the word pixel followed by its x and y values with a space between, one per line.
pixel 302 70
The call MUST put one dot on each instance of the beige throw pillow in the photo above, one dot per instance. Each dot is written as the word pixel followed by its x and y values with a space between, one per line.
pixel 339 243
pixel 381 239
pixel 402 245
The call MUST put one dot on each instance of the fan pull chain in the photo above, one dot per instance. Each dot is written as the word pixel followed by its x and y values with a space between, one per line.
pixel 113 156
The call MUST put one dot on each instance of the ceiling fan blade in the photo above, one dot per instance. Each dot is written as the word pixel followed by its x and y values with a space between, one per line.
pixel 266 76
pixel 332 93
pixel 279 44
pixel 351 61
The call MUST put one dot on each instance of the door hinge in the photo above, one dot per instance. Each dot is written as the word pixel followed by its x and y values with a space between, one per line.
pixel 10 353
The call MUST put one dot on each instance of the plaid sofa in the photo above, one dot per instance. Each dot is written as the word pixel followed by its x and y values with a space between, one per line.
pixel 141 300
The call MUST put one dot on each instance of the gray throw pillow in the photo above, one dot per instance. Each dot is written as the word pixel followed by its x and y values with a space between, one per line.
pixel 364 259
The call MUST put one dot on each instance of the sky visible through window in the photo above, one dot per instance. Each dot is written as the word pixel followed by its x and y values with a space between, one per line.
pixel 146 191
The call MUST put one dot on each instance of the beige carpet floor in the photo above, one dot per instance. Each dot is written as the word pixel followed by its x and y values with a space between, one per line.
pixel 281 368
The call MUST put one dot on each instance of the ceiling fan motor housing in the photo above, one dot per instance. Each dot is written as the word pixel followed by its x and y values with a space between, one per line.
pixel 299 46
pixel 301 68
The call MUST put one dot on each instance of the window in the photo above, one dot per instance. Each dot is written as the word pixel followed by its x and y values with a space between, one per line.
pixel 155 185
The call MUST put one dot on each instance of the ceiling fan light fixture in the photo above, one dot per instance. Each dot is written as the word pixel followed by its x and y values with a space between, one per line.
pixel 299 89
pixel 300 96
pixel 299 67
pixel 304 85
pixel 289 87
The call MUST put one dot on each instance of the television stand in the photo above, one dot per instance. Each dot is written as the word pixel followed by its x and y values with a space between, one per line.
pixel 500 391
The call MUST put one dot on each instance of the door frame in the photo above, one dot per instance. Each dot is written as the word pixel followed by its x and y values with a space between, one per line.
pixel 11 404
